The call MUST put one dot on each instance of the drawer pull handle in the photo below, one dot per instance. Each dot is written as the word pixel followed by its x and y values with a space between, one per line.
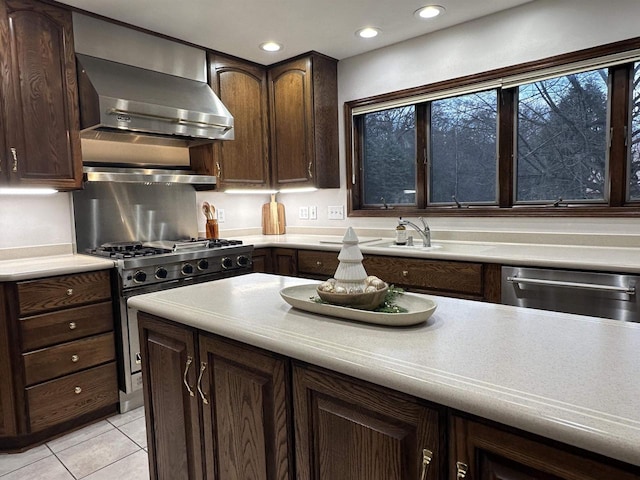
pixel 77 390
pixel 75 358
pixel 14 154
pixel 184 376
pixel 318 263
pixel 405 273
pixel 427 456
pixel 461 470
pixel 203 367
pixel 69 292
pixel 72 325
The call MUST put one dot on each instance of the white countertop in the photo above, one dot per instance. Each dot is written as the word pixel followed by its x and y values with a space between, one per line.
pixel 566 377
pixel 605 259
pixel 46 266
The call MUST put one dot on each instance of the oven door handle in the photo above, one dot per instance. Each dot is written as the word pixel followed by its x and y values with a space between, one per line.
pixel 184 376
pixel 629 290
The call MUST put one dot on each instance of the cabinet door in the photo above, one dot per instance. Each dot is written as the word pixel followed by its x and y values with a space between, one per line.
pixel 261 260
pixel 349 430
pixel 304 123
pixel 8 421
pixel 242 87
pixel 483 452
pixel 41 114
pixel 285 261
pixel 245 413
pixel 169 367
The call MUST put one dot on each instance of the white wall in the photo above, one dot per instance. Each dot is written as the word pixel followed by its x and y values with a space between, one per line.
pixel 535 30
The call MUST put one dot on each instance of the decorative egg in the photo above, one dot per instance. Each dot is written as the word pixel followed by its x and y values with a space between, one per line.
pixel 355 290
pixel 340 290
pixel 370 289
pixel 370 279
pixel 379 284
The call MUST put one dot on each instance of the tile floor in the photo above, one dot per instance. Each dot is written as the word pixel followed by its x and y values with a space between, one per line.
pixel 114 448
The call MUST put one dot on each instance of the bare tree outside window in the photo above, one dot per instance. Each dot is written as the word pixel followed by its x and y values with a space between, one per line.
pixel 562 138
pixel 463 148
pixel 634 157
pixel 389 156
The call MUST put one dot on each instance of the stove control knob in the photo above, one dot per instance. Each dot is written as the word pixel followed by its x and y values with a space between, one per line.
pixel 187 269
pixel 203 264
pixel 139 277
pixel 161 273
pixel 243 260
pixel 227 263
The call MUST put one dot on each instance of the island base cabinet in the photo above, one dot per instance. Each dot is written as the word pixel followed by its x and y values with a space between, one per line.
pixel 350 430
pixel 169 370
pixel 245 411
pixel 481 451
pixel 214 409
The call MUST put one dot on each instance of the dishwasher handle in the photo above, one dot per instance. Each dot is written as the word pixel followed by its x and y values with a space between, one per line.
pixel 629 290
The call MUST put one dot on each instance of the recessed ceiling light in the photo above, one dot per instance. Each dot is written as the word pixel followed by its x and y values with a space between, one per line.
pixel 368 32
pixel 429 11
pixel 270 46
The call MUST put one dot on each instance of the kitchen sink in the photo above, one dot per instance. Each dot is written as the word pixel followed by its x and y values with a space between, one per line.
pixel 458 247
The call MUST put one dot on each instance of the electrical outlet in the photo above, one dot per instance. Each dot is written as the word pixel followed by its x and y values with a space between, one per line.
pixel 220 214
pixel 303 213
pixel 336 212
pixel 313 213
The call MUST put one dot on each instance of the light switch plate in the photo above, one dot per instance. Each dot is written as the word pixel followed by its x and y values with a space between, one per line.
pixel 335 212
pixel 303 213
pixel 220 214
pixel 313 212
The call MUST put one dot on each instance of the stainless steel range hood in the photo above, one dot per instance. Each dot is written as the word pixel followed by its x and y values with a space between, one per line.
pixel 116 98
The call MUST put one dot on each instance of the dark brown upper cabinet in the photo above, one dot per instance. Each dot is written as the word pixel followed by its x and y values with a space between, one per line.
pixel 242 87
pixel 303 100
pixel 39 96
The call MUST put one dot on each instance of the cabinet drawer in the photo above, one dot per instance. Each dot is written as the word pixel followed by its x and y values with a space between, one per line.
pixel 54 293
pixel 317 262
pixel 66 325
pixel 458 277
pixel 66 358
pixel 71 396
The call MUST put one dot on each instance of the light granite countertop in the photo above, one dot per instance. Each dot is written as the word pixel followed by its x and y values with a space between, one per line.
pixel 46 266
pixel 581 257
pixel 566 377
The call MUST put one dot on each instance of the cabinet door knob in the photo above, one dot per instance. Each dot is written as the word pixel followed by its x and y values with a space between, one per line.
pixel 77 390
pixel 14 155
pixel 69 292
pixel 203 367
pixel 427 456
pixel 75 358
pixel 405 273
pixel 318 263
pixel 72 325
pixel 461 470
pixel 184 376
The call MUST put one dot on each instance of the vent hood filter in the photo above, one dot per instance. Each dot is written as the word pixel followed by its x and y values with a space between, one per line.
pixel 120 98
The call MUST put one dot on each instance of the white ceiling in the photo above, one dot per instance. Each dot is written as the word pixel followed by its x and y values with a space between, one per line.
pixel 237 27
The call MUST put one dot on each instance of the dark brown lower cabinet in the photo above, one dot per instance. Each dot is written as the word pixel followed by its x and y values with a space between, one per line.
pixel 219 411
pixel 349 430
pixel 481 451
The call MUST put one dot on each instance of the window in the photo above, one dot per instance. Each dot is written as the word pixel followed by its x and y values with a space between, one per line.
pixel 559 132
pixel 562 138
pixel 634 155
pixel 463 148
pixel 389 157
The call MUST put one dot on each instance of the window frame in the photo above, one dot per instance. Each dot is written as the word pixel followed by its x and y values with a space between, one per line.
pixel 616 202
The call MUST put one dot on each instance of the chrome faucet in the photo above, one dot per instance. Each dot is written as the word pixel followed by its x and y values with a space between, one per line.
pixel 424 232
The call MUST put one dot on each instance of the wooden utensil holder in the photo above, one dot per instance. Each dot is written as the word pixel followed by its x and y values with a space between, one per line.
pixel 212 229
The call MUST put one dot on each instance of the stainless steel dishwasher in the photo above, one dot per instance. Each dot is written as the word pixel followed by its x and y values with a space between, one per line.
pixel 604 295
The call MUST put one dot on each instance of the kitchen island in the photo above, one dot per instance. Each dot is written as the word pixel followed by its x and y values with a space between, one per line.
pixel 567 378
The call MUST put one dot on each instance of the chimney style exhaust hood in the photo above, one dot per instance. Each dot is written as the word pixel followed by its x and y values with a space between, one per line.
pixel 146 105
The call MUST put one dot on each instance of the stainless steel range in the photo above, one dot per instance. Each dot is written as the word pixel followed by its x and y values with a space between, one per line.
pixel 150 267
pixel 136 225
